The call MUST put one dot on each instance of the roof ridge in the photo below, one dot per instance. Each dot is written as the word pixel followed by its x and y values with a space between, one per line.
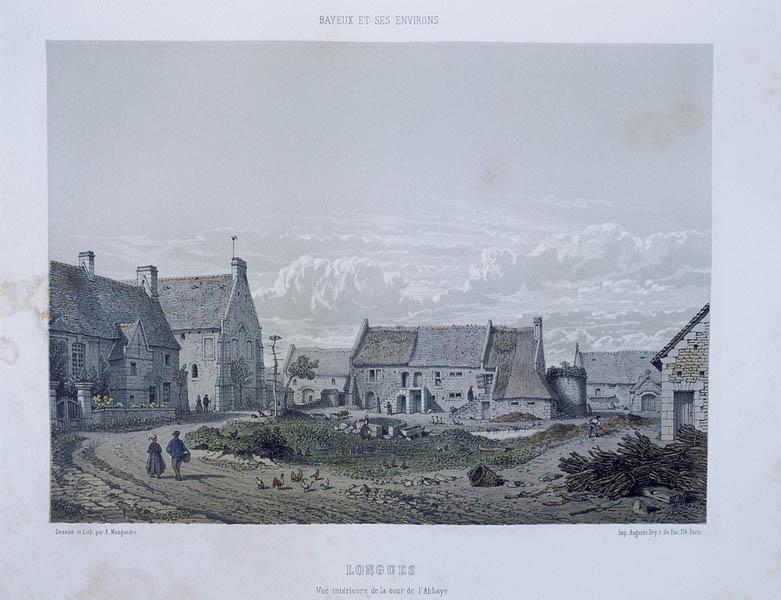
pixel 184 277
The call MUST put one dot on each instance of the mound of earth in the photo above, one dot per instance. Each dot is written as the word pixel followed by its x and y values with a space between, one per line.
pixel 515 417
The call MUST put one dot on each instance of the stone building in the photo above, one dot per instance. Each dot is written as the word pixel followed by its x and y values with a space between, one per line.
pixel 624 380
pixel 331 385
pixel 683 363
pixel 478 370
pixel 99 321
pixel 214 320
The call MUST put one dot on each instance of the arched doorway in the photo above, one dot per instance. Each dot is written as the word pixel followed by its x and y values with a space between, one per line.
pixel 372 402
pixel 307 396
pixel 401 404
pixel 404 379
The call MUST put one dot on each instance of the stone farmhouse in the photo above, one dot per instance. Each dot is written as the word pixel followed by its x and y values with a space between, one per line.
pixel 624 380
pixel 481 370
pixel 331 385
pixel 683 363
pixel 214 321
pixel 95 320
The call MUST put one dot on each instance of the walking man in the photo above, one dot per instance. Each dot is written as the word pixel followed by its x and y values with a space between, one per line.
pixel 177 450
pixel 593 427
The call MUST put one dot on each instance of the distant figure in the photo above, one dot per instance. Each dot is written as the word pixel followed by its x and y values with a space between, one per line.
pixel 470 395
pixel 593 427
pixel 206 403
pixel 177 450
pixel 389 409
pixel 364 431
pixel 198 405
pixel 154 459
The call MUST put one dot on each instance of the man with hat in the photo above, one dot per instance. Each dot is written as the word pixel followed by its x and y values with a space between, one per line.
pixel 177 450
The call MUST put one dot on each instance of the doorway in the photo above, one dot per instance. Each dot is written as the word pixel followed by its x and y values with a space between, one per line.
pixel 683 410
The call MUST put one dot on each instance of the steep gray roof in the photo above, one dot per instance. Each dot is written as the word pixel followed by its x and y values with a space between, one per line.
pixel 512 352
pixel 334 362
pixel 453 346
pixel 97 308
pixel 197 302
pixel 622 367
pixel 657 360
pixel 381 346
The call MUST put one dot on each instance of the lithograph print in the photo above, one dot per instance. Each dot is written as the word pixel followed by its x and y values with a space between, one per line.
pixel 378 283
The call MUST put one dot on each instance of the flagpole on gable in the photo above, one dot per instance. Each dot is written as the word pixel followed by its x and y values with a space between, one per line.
pixel 233 238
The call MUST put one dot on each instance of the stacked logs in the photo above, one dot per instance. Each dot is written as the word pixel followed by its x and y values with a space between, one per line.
pixel 681 465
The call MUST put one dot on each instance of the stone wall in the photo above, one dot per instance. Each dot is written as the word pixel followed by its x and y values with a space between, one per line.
pixel 440 392
pixel 572 394
pixel 333 386
pixel 542 409
pixel 685 369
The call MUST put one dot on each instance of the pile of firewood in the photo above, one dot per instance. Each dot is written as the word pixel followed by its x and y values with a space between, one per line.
pixel 637 463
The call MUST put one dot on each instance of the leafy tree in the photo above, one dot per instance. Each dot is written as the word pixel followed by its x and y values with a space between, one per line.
pixel 241 375
pixel 180 379
pixel 301 368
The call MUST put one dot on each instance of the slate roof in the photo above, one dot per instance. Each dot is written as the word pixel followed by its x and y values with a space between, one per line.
pixel 512 351
pixel 621 367
pixel 198 302
pixel 657 360
pixel 334 362
pixel 96 308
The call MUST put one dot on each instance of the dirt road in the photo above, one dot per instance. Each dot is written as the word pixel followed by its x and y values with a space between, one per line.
pixel 102 478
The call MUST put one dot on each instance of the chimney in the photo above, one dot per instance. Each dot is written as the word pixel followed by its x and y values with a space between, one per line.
pixel 539 352
pixel 87 262
pixel 146 277
pixel 238 268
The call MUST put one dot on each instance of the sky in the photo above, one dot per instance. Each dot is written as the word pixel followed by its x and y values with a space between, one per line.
pixel 404 183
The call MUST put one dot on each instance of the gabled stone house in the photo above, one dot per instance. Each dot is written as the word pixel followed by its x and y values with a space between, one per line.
pixel 483 370
pixel 331 385
pixel 95 320
pixel 214 320
pixel 625 380
pixel 683 363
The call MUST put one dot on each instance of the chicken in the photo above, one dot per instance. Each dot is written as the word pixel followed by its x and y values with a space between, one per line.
pixel 315 475
pixel 325 485
pixel 277 484
pixel 307 485
pixel 261 485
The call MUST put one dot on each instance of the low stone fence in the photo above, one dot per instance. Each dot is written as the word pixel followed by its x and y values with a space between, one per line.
pixel 108 417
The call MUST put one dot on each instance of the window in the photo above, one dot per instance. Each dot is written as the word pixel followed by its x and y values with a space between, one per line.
pixel 679 373
pixel 208 348
pixel 181 337
pixel 513 404
pixel 227 349
pixel 166 391
pixel 133 369
pixel 167 360
pixel 455 395
pixel 333 381
pixel 152 394
pixel 437 378
pixel 372 374
pixel 132 398
pixel 702 373
pixel 77 357
pixel 194 371
pixel 489 379
pixel 597 392
pixel 530 403
pixel 249 349
pixel 456 373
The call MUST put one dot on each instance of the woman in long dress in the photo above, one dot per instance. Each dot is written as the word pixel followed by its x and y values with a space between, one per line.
pixel 154 460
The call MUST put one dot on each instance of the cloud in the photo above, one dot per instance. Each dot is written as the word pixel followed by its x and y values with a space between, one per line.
pixel 341 290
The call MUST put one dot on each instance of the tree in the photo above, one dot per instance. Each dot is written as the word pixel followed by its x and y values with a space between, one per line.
pixel 241 375
pixel 180 379
pixel 301 368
